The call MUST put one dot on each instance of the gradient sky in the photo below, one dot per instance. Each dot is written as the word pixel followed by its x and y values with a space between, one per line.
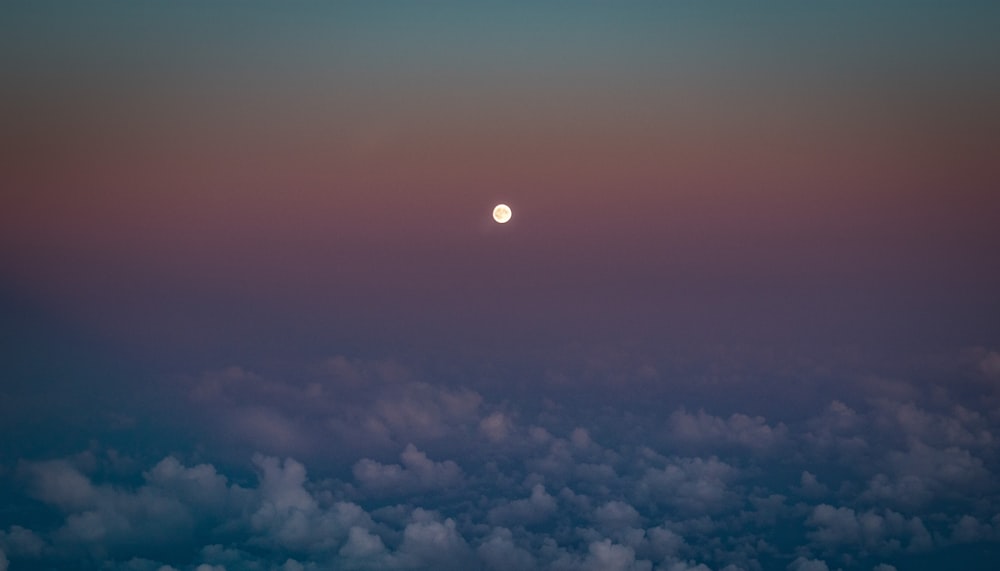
pixel 749 243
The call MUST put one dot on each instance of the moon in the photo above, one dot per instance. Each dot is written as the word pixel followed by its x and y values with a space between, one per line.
pixel 501 213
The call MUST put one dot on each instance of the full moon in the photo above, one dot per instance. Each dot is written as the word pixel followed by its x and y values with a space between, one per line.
pixel 501 213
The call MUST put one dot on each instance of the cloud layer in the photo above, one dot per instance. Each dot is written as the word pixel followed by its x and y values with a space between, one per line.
pixel 365 467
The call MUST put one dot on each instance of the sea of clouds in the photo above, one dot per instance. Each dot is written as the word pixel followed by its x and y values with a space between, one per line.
pixel 366 466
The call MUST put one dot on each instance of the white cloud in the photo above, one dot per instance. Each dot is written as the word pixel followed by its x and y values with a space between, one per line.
pixel 267 428
pixel 810 486
pixel 663 543
pixel 739 429
pixel 422 411
pixel 673 564
pixel 990 365
pixel 691 485
pixel 607 556
pixel 533 510
pixel 921 473
pixel 432 544
pixel 416 472
pixel 838 430
pixel 804 564
pixel 60 483
pixel 616 515
pixel 199 485
pixel 499 552
pixel 362 544
pixel 682 492
pixel 22 542
pixel 580 437
pixel 292 517
pixel 496 427
pixel 885 533
pixel 968 529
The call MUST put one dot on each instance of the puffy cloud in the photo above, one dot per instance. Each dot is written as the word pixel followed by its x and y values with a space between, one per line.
pixel 420 410
pixel 292 517
pixel 990 365
pixel 804 564
pixel 607 556
pixel 678 565
pixel 104 518
pixel 884 533
pixel 268 429
pixel 496 427
pixel 533 510
pixel 839 431
pixel 739 429
pixel 968 529
pixel 499 552
pixel 60 483
pixel 588 487
pixel 691 485
pixel 580 437
pixel 663 543
pixel 616 515
pixel 199 485
pixel 176 501
pixel 810 486
pixel 362 544
pixel 364 404
pixel 961 428
pixel 432 544
pixel 922 473
pixel 22 542
pixel 416 472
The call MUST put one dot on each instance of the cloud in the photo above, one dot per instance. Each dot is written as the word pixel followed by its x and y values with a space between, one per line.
pixel 291 517
pixel 969 529
pixel 803 564
pixel 432 544
pixel 498 552
pixel 810 486
pixel 102 518
pixel 690 485
pixel 883 532
pixel 362 545
pixel 496 427
pixel 22 542
pixel 269 429
pixel 702 429
pixel 566 487
pixel 678 565
pixel 607 556
pixel 416 472
pixel 663 543
pixel 364 404
pixel 617 515
pixel 422 411
pixel 533 510
pixel 60 483
pixel 921 473
pixel 990 365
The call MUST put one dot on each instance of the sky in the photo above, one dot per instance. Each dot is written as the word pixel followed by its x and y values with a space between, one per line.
pixel 256 314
